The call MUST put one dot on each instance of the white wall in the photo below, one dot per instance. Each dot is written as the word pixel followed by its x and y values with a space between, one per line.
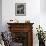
pixel 0 14
pixel 43 14
pixel 43 6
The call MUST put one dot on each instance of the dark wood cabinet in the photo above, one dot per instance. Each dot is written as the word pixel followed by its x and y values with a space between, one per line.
pixel 22 33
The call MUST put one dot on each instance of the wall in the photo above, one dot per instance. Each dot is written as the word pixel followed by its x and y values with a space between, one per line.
pixel 0 14
pixel 43 6
pixel 43 14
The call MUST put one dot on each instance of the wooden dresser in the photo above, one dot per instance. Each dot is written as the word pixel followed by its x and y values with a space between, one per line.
pixel 22 33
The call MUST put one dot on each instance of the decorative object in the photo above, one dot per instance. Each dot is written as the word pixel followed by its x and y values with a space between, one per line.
pixel 41 36
pixel 45 35
pixel 7 38
pixel 13 21
pixel 27 21
pixel 1 40
pixel 20 9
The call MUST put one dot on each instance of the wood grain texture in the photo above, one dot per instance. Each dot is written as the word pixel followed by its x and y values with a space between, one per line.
pixel 23 27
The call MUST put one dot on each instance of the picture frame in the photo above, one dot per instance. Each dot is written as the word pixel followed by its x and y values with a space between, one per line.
pixel 20 9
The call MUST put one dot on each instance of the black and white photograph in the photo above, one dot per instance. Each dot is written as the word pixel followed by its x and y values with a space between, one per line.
pixel 20 9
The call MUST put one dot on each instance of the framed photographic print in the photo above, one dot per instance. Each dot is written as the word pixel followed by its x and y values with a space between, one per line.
pixel 20 9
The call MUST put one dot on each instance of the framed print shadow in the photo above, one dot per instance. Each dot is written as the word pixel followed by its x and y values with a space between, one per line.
pixel 20 9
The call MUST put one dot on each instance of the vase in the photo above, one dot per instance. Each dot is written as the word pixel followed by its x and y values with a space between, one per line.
pixel 41 43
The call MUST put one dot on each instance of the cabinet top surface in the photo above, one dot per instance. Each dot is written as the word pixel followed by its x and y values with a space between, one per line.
pixel 19 23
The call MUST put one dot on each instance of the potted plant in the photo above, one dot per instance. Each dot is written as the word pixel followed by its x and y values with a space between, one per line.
pixel 41 36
